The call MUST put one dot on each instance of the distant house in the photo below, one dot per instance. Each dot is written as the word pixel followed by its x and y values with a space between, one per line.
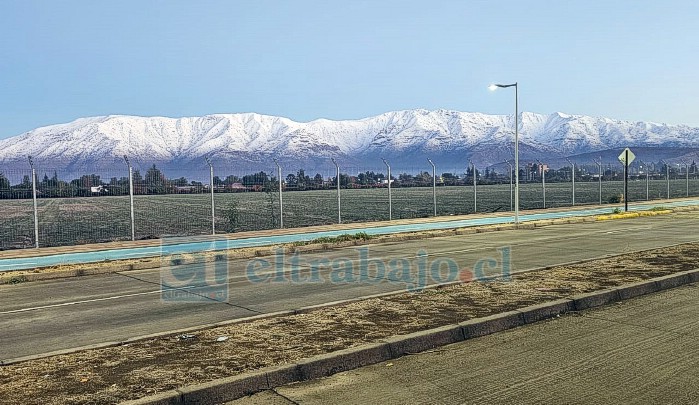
pixel 98 189
pixel 236 187
pixel 187 189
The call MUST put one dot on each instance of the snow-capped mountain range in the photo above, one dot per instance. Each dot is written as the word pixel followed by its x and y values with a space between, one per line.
pixel 405 138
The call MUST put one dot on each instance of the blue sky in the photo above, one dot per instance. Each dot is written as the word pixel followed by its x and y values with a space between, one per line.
pixel 61 60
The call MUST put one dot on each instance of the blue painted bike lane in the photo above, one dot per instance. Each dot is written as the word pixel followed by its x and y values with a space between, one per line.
pixel 171 248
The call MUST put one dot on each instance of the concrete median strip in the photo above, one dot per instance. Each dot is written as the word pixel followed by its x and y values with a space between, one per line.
pixel 231 388
pixel 297 311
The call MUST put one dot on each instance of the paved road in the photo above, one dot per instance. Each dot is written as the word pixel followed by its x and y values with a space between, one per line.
pixel 42 317
pixel 29 258
pixel 642 351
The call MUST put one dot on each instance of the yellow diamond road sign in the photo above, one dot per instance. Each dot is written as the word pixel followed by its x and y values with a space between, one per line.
pixel 622 157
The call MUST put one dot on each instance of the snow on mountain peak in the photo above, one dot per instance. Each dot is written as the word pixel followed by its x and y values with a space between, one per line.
pixel 399 135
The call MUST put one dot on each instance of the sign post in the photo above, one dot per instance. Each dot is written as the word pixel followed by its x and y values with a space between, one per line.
pixel 626 158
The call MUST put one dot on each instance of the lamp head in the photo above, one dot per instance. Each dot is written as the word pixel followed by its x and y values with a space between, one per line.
pixel 492 87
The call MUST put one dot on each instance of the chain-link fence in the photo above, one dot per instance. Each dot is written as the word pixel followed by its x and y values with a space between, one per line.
pixel 118 199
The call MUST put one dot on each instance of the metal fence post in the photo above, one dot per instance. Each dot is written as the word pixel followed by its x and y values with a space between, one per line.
pixel 573 183
pixel 281 205
pixel 686 169
pixel 511 191
pixel 475 190
pixel 543 182
pixel 643 164
pixel 133 229
pixel 390 205
pixel 434 185
pixel 36 208
pixel 213 205
pixel 667 176
pixel 599 165
pixel 337 171
pixel 572 175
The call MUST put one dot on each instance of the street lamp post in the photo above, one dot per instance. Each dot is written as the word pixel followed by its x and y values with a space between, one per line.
pixel 494 87
pixel 434 185
pixel 337 173
pixel 390 207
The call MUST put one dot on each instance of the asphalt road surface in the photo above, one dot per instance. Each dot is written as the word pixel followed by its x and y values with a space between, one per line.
pixel 42 317
pixel 641 351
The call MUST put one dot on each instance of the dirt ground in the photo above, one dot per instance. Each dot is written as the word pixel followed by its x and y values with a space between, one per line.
pixel 114 374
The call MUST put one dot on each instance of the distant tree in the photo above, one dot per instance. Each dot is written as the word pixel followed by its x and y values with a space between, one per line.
pixel 54 182
pixel 231 179
pixel 155 181
pixel 87 181
pixel 424 179
pixel 5 188
pixel 136 176
pixel 302 180
pixel 182 181
pixel 345 180
pixel 260 179
pixel 318 179
pixel 406 179
pixel 363 178
pixel 4 182
pixel 81 186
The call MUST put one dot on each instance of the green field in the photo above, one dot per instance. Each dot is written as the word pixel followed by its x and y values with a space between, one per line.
pixel 68 221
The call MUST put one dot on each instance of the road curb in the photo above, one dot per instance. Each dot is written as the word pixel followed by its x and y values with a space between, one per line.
pixel 539 312
pixel 595 299
pixel 424 340
pixel 232 388
pixel 478 327
pixel 348 359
